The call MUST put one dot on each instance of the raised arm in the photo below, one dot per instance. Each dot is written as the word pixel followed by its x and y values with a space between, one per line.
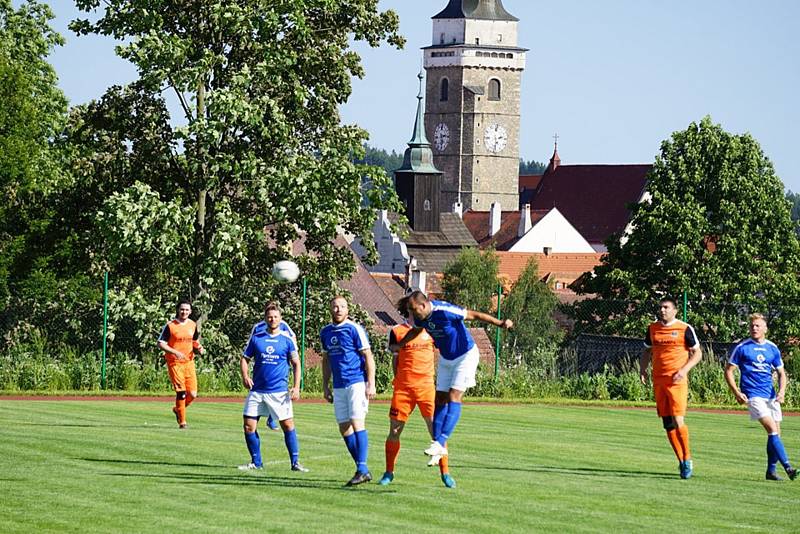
pixel 410 335
pixel 473 315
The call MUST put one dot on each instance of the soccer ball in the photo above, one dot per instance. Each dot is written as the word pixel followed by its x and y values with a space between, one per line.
pixel 285 271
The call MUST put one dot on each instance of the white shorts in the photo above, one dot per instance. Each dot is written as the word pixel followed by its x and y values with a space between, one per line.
pixel 761 407
pixel 350 402
pixel 278 405
pixel 458 374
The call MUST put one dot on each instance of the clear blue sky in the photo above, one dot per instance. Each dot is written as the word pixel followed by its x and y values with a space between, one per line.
pixel 613 78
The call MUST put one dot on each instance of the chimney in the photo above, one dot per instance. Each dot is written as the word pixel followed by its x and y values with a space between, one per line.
pixel 547 250
pixel 495 218
pixel 458 209
pixel 524 220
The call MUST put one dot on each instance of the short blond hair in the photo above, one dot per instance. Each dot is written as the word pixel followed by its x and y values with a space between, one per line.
pixel 757 316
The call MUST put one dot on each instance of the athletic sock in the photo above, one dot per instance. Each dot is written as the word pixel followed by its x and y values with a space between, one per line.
pixel 392 449
pixel 352 446
pixel 290 438
pixel 772 456
pixel 683 439
pixel 439 414
pixel 780 452
pixel 672 436
pixel 450 421
pixel 189 400
pixel 362 451
pixel 180 407
pixel 444 466
pixel 254 446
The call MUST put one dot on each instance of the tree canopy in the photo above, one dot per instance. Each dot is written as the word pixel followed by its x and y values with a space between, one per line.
pixel 715 224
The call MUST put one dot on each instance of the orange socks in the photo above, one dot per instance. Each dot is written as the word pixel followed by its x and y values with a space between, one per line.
pixel 392 449
pixel 444 467
pixel 683 439
pixel 189 400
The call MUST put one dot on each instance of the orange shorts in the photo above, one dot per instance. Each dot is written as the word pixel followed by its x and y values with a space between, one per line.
pixel 405 399
pixel 183 376
pixel 671 399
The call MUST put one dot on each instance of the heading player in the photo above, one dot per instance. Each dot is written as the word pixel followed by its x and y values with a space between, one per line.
pixel 458 359
pixel 273 351
pixel 413 386
pixel 179 339
pixel 347 357
pixel 756 358
pixel 674 350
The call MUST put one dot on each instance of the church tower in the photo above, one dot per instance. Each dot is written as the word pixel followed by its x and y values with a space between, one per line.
pixel 472 113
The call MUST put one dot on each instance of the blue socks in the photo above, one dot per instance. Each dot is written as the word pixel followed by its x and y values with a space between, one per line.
pixel 362 448
pixel 775 451
pixel 439 414
pixel 450 420
pixel 350 441
pixel 290 438
pixel 254 446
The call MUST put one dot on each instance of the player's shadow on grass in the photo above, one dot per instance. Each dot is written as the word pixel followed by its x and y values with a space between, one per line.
pixel 148 462
pixel 579 471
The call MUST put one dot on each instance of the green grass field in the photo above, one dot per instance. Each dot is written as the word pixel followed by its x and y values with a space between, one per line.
pixel 118 466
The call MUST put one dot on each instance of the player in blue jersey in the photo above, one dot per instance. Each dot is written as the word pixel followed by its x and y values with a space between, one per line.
pixel 347 358
pixel 756 358
pixel 284 327
pixel 272 351
pixel 458 359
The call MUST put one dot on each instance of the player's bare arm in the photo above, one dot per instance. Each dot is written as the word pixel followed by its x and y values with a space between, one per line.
pixel 473 315
pixel 741 398
pixel 369 363
pixel 644 363
pixel 166 348
pixel 781 385
pixel 695 355
pixel 326 378
pixel 294 391
pixel 408 338
pixel 244 366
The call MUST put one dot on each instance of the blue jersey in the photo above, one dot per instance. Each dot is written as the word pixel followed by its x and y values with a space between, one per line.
pixel 272 354
pixel 343 343
pixel 261 327
pixel 756 362
pixel 446 326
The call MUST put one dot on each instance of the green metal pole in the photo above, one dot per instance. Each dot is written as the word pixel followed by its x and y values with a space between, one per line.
pixel 685 300
pixel 105 331
pixel 497 335
pixel 303 337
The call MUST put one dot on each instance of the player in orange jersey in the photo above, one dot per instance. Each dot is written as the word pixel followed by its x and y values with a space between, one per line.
pixel 179 339
pixel 673 348
pixel 414 386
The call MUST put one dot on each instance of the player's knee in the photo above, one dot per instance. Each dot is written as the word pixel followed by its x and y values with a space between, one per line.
pixel 180 395
pixel 669 422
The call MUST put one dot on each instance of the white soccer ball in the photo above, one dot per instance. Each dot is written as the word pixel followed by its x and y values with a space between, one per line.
pixel 285 271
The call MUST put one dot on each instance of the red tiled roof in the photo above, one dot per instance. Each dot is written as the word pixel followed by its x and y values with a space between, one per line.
pixel 529 181
pixel 593 198
pixel 565 267
pixel 477 222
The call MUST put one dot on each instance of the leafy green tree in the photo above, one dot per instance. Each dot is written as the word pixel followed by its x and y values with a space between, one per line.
pixel 794 199
pixel 470 280
pixel 717 224
pixel 390 162
pixel 202 204
pixel 531 167
pixel 531 305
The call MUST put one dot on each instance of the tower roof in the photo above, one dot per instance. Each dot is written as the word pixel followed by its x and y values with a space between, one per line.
pixel 418 157
pixel 475 9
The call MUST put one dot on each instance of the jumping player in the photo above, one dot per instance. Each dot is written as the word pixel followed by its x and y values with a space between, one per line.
pixel 272 350
pixel 179 339
pixel 413 386
pixel 458 359
pixel 674 350
pixel 756 358
pixel 347 357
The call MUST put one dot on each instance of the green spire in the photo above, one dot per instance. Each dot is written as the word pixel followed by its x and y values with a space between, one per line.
pixel 419 156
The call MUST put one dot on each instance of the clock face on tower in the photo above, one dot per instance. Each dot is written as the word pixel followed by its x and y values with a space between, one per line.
pixel 441 136
pixel 495 138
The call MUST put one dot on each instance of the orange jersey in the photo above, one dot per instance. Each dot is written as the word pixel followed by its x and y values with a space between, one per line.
pixel 181 337
pixel 670 346
pixel 415 361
